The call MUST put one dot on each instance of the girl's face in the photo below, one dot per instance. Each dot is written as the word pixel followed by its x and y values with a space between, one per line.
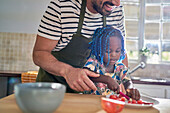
pixel 114 51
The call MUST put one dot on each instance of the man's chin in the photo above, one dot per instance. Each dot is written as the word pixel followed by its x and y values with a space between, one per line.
pixel 106 13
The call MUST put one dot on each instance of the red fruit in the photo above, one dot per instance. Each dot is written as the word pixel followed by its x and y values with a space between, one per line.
pixel 120 96
pixel 123 99
pixel 139 102
pixel 113 97
pixel 129 101
pixel 133 101
pixel 111 105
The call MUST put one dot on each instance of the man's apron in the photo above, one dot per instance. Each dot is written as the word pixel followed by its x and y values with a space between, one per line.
pixel 75 54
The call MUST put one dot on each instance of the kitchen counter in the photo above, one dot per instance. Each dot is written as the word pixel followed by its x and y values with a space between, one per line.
pixel 152 81
pixel 78 103
pixel 10 73
pixel 7 81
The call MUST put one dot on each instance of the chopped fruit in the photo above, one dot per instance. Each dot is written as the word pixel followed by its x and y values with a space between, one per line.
pixel 123 99
pixel 113 97
pixel 120 96
pixel 129 102
pixel 130 99
pixel 111 105
pixel 133 101
pixel 139 102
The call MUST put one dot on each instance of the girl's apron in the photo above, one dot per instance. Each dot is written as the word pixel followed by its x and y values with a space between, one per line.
pixel 75 54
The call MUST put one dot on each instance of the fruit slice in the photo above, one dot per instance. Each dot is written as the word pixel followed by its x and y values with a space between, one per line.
pixel 113 97
pixel 133 101
pixel 139 102
pixel 111 105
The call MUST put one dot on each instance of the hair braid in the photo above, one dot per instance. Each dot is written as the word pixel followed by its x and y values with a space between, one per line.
pixel 101 41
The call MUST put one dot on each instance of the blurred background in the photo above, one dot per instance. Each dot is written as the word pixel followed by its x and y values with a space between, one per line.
pixel 147 24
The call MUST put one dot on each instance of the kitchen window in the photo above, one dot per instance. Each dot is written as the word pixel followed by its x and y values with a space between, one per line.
pixel 147 24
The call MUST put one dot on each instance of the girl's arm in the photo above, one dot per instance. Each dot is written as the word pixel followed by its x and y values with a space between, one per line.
pixel 111 83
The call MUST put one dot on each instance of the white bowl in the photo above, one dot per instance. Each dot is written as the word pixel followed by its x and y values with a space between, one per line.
pixel 39 97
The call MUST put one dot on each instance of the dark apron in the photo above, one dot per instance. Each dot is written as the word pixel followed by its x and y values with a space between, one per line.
pixel 75 54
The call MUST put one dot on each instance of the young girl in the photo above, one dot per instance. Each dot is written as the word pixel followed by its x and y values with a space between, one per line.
pixel 107 52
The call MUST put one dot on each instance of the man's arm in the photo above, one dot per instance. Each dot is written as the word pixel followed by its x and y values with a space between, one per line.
pixel 42 55
pixel 76 78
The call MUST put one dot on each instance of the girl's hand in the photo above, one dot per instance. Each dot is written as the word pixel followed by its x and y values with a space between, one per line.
pixel 133 93
pixel 122 88
pixel 113 85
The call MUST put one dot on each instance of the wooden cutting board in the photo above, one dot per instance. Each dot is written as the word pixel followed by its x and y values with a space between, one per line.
pixel 74 103
pixel 78 103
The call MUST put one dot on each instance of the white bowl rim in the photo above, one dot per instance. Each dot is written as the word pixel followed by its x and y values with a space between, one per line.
pixel 47 86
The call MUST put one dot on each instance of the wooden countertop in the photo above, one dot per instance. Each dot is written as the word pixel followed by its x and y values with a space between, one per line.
pixel 78 103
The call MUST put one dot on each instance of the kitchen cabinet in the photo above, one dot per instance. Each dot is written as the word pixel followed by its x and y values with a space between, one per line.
pixel 7 82
pixel 168 93
pixel 3 86
pixel 156 91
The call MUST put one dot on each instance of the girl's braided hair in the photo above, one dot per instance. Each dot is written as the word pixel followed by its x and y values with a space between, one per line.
pixel 101 41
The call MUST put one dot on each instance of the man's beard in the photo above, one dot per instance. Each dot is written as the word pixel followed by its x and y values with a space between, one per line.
pixel 101 10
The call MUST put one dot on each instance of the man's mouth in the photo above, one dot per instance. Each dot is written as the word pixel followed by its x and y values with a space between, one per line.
pixel 108 6
pixel 108 3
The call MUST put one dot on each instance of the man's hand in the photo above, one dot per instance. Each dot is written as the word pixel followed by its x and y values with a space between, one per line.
pixel 78 79
pixel 133 93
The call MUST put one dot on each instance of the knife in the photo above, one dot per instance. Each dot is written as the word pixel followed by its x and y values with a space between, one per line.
pixel 124 95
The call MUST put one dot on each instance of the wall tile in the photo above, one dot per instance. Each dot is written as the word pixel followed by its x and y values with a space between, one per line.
pixel 16 51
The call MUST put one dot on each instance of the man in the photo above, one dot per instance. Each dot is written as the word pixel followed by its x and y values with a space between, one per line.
pixel 72 22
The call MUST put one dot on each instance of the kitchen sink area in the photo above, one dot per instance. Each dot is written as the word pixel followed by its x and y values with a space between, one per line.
pixel 146 80
pixel 153 87
pixel 149 80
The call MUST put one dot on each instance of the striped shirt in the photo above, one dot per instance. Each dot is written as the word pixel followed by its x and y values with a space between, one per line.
pixel 60 21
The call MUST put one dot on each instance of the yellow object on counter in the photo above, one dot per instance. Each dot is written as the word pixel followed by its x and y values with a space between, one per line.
pixel 29 77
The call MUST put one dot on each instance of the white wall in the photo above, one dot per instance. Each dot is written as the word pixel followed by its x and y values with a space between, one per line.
pixel 21 16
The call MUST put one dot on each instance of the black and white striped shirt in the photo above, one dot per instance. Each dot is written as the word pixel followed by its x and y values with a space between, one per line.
pixel 60 21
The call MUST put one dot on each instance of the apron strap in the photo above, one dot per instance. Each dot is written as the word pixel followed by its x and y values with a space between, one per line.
pixel 104 21
pixel 81 19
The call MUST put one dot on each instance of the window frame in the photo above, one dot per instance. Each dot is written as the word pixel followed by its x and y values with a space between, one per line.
pixel 141 27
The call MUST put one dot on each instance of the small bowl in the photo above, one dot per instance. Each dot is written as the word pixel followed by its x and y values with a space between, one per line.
pixel 39 97
pixel 111 105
